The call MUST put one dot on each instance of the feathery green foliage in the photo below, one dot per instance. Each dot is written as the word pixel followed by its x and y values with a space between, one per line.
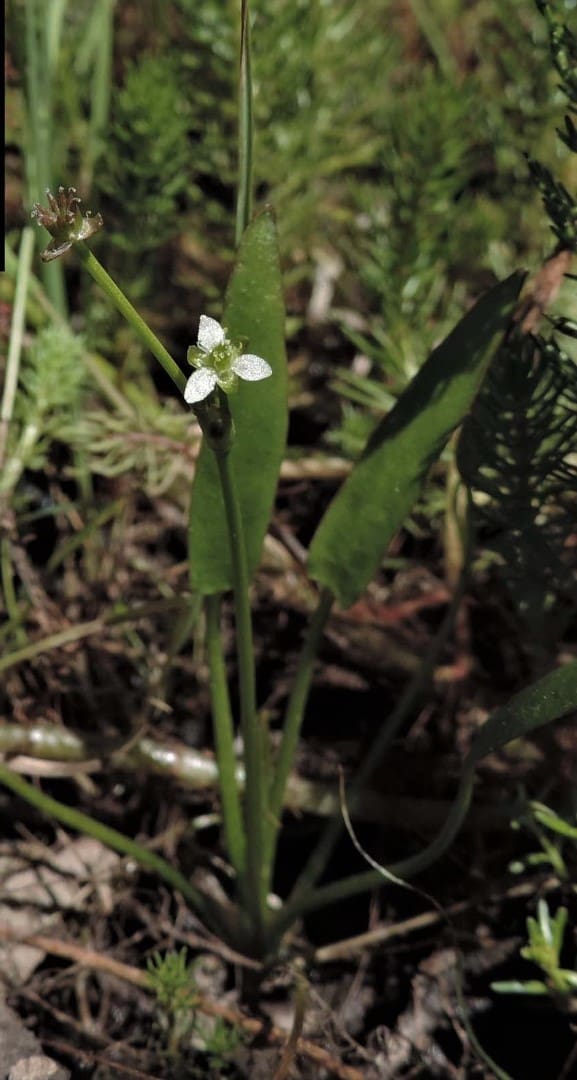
pixel 151 444
pixel 145 171
pixel 515 455
pixel 545 944
pixel 432 221
pixel 417 220
pixel 560 205
pixel 53 382
pixel 517 449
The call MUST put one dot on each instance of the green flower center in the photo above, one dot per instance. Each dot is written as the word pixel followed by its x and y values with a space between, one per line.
pixel 221 359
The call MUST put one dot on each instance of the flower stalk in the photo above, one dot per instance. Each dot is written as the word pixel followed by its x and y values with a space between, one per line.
pixel 294 718
pixel 224 742
pixel 126 309
pixel 256 814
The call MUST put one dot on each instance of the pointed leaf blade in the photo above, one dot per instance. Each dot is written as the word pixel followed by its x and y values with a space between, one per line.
pixel 373 503
pixel 254 314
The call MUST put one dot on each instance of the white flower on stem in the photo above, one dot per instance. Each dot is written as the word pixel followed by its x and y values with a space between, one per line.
pixel 219 362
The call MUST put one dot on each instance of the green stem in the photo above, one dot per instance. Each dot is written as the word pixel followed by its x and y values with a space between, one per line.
pixel 75 819
pixel 41 60
pixel 430 24
pixel 9 596
pixel 12 370
pixel 294 717
pixel 98 42
pixel 76 633
pixel 245 129
pixel 123 305
pixel 414 691
pixel 255 802
pixel 297 700
pixel 374 879
pixel 224 739
pixel 19 460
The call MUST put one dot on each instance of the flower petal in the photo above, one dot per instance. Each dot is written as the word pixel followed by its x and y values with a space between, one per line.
pixel 250 367
pixel 199 385
pixel 210 333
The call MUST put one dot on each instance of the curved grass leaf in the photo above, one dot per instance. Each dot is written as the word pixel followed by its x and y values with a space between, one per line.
pixel 374 501
pixel 551 698
pixel 253 314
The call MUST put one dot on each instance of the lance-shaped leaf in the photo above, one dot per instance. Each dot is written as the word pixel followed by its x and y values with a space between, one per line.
pixel 253 315
pixel 376 498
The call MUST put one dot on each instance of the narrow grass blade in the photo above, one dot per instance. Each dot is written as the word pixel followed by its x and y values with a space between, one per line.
pixel 76 819
pixel 553 696
pixel 245 128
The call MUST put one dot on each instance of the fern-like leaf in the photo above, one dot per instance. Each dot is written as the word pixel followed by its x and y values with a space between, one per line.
pixel 518 455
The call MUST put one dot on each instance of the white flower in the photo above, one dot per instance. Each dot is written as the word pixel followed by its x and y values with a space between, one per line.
pixel 219 362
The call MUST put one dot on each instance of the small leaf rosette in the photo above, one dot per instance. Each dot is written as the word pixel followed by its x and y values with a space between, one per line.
pixel 219 362
pixel 64 221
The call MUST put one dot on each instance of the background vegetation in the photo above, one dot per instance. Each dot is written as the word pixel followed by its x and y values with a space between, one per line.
pixel 392 141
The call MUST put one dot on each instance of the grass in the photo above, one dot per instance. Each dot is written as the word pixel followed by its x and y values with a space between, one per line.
pixel 422 199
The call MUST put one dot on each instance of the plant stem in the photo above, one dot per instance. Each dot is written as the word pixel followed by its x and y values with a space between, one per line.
pixel 115 616
pixel 245 129
pixel 430 25
pixel 96 49
pixel 298 698
pixel 224 739
pixel 9 597
pixel 123 305
pixel 42 45
pixel 294 715
pixel 12 370
pixel 75 819
pixel 321 854
pixel 255 803
pixel 374 879
pixel 18 461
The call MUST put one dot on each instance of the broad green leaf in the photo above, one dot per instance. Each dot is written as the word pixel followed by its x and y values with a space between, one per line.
pixel 375 500
pixel 253 314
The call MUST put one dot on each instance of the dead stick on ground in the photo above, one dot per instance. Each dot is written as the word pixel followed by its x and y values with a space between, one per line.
pixel 98 962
